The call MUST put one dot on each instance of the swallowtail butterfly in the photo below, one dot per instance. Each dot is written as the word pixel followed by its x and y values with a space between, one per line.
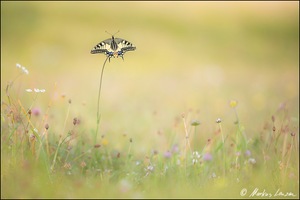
pixel 113 47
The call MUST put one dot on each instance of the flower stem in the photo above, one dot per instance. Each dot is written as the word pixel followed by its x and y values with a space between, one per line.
pixel 98 105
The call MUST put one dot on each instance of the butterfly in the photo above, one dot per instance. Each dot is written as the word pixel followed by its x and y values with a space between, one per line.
pixel 113 47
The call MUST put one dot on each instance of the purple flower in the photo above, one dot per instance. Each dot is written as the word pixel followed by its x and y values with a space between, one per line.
pixel 175 148
pixel 248 153
pixel 207 157
pixel 36 111
pixel 167 154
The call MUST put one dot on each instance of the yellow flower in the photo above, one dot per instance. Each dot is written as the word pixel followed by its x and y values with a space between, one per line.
pixel 233 103
pixel 104 142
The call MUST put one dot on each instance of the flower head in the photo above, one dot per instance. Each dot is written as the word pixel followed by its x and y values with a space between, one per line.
pixel 207 157
pixel 233 103
pixel 24 70
pixel 195 123
pixel 36 90
pixel 218 120
pixel 195 157
pixel 167 154
pixel 252 161
pixel 248 153
pixel 175 148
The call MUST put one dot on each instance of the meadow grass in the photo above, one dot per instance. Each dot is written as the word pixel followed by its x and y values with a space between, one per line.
pixel 38 163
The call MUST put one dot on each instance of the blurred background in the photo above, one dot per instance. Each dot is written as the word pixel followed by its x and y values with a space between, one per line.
pixel 191 57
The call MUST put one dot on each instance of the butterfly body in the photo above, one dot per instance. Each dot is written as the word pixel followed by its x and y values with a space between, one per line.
pixel 113 47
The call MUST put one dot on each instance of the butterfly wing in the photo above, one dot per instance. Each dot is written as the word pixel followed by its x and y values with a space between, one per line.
pixel 102 47
pixel 124 45
pixel 113 47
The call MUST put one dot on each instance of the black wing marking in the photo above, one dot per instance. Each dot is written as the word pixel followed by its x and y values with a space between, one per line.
pixel 113 46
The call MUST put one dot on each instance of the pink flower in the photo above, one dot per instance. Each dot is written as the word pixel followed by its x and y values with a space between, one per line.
pixel 36 111
pixel 207 157
pixel 167 154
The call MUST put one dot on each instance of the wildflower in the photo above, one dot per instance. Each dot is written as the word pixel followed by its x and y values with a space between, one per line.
pixel 213 175
pixel 36 111
pixel 24 70
pixel 195 157
pixel 175 148
pixel 233 103
pixel 238 154
pixel 47 126
pixel 167 154
pixel 273 118
pixel 196 154
pixel 75 120
pixel 194 161
pixel 67 166
pixel 150 168
pixel 207 157
pixel 252 161
pixel 36 90
pixel 195 123
pixel 32 138
pixel 137 162
pixel 218 120
pixel 293 134
pixel 82 164
pixel 248 153
pixel 18 66
pixel 104 142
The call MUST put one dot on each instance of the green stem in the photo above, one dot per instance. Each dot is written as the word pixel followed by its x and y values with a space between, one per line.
pixel 98 105
pixel 223 149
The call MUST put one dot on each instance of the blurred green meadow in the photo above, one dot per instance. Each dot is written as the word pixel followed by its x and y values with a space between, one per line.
pixel 194 62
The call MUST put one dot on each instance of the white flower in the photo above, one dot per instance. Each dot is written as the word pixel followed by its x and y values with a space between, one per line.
pixel 195 161
pixel 137 162
pixel 36 90
pixel 196 154
pixel 213 175
pixel 252 160
pixel 24 70
pixel 18 65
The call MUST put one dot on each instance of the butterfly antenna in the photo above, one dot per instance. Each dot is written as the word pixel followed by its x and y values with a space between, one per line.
pixel 113 34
